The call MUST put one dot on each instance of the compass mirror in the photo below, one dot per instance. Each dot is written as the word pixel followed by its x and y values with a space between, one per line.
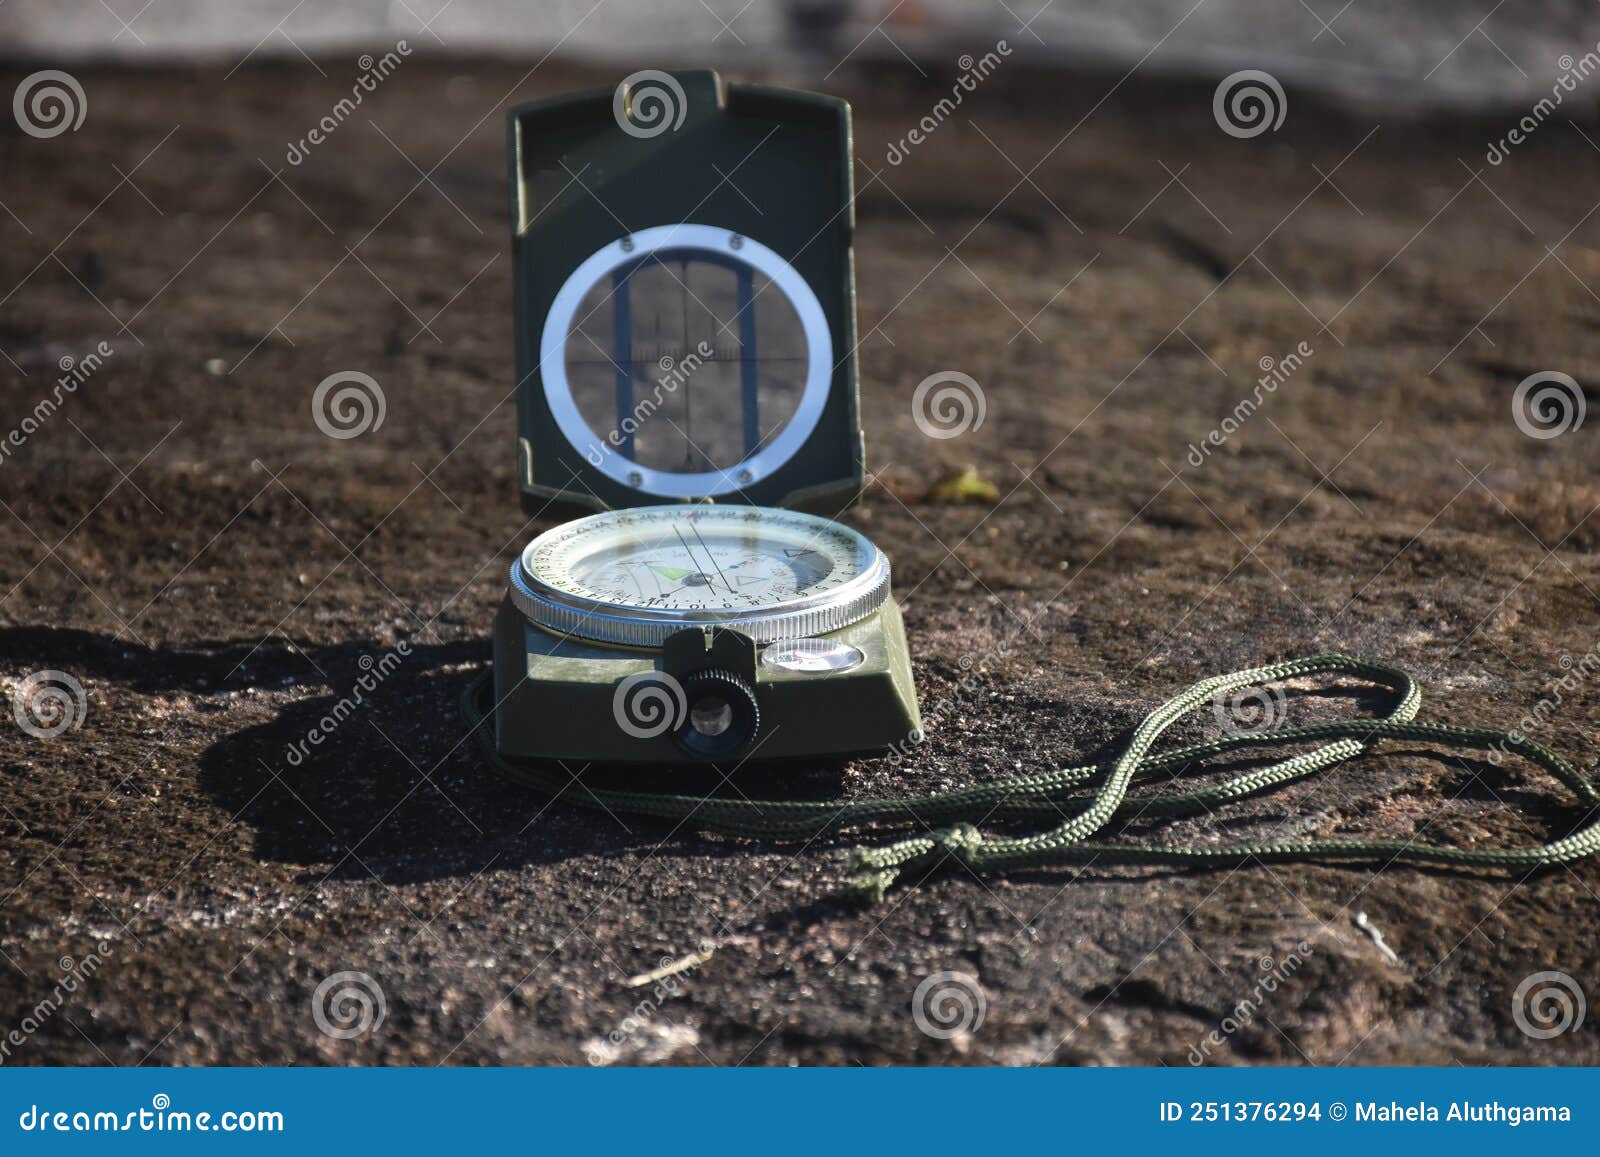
pixel 687 361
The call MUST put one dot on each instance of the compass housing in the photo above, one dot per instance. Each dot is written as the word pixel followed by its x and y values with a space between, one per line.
pixel 685 336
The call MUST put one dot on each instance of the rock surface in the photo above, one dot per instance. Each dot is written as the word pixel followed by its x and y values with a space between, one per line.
pixel 1115 273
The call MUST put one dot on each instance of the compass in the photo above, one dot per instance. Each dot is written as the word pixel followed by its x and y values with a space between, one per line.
pixel 670 633
pixel 636 577
pixel 687 385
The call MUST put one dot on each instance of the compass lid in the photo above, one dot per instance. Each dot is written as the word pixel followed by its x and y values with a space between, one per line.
pixel 685 298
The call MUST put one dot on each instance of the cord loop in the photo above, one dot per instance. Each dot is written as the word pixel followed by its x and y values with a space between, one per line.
pixel 1049 797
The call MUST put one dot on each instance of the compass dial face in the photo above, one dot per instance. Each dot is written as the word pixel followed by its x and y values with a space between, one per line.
pixel 635 576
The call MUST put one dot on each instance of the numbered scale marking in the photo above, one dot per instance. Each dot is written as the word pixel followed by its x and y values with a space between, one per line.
pixel 634 577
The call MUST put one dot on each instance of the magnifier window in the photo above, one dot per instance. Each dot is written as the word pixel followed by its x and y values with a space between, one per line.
pixel 686 360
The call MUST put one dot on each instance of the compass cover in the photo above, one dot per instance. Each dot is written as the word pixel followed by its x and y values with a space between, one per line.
pixel 685 303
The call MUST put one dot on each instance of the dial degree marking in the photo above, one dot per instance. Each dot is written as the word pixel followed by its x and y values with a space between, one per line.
pixel 634 577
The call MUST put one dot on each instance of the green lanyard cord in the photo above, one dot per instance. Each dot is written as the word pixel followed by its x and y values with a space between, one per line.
pixel 1054 796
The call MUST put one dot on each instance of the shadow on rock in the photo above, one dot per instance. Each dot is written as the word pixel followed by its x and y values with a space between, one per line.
pixel 377 774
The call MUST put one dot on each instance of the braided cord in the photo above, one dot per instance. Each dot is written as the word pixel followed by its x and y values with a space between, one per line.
pixel 1055 796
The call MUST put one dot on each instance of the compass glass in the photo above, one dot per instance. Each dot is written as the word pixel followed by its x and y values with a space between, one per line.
pixel 637 575
pixel 728 569
pixel 686 361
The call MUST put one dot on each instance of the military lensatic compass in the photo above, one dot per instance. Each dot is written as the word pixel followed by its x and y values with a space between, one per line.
pixel 685 326
pixel 685 334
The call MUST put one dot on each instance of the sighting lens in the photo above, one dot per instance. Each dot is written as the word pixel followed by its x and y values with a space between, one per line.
pixel 723 716
pixel 711 716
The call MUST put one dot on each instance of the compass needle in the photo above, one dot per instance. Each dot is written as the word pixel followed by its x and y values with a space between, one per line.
pixel 711 556
pixel 671 573
pixel 693 562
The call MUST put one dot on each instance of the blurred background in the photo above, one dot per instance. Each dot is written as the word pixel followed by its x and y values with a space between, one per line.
pixel 1401 52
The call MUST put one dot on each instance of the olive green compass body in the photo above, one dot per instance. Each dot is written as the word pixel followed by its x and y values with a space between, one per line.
pixel 685 326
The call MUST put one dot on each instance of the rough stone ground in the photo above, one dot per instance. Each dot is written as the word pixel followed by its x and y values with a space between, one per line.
pixel 182 540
